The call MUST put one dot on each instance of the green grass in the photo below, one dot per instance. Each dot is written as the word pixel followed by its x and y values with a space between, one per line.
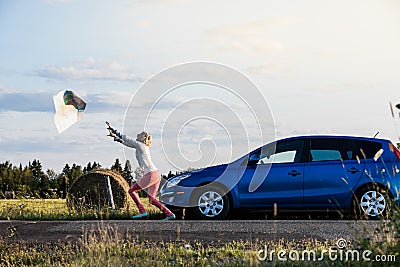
pixel 129 254
pixel 56 209
pixel 110 249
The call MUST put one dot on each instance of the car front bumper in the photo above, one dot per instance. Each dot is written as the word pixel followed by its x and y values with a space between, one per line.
pixel 176 196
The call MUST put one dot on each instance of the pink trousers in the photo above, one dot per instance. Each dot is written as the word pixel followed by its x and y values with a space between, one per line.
pixel 151 182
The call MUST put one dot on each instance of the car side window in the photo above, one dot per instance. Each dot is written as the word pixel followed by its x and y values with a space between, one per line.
pixel 326 154
pixel 285 152
pixel 330 149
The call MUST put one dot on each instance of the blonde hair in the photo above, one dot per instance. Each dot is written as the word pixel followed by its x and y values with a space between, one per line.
pixel 145 138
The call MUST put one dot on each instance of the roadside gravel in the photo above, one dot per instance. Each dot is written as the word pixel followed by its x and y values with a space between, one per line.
pixel 204 231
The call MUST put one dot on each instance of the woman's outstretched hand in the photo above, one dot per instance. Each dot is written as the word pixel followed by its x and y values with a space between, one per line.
pixel 111 130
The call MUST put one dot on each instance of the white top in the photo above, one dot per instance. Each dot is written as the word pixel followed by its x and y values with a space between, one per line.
pixel 142 152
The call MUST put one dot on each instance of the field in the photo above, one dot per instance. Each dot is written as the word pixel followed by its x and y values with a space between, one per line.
pixel 56 209
pixel 107 248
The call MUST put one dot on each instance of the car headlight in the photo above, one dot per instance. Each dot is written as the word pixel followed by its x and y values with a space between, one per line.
pixel 176 180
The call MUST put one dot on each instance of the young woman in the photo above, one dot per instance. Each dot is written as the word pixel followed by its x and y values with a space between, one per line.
pixel 151 179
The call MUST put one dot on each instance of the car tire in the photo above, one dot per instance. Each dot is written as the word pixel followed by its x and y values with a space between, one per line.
pixel 372 202
pixel 210 203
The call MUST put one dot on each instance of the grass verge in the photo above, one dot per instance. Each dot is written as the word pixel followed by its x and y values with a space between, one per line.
pixel 56 209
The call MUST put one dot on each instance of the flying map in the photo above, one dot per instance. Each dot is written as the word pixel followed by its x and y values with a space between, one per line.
pixel 69 109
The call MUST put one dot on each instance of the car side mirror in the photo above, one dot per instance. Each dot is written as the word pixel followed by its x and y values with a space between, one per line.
pixel 253 160
pixel 252 163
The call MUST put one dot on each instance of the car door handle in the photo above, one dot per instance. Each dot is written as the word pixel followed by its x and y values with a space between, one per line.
pixel 294 173
pixel 353 170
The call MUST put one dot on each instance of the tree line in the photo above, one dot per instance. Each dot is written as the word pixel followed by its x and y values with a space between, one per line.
pixel 33 181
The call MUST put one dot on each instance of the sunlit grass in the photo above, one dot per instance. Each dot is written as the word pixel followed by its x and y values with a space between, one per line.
pixel 56 209
pixel 129 254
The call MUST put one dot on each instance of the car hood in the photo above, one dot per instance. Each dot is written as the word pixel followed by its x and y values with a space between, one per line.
pixel 224 173
pixel 213 171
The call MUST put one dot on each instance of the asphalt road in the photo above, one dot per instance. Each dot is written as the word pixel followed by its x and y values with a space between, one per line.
pixel 204 231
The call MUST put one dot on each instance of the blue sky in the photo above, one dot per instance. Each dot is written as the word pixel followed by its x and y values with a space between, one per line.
pixel 325 67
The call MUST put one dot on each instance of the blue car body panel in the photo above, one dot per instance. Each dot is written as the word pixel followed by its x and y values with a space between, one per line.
pixel 330 182
pixel 272 190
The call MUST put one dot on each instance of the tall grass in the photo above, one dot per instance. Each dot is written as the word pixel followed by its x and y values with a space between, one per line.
pixel 384 240
pixel 109 249
pixel 105 245
pixel 127 254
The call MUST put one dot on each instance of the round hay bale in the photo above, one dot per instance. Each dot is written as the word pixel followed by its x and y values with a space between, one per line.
pixel 89 191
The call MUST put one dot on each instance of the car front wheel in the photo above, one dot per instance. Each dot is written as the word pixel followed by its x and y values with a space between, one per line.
pixel 211 203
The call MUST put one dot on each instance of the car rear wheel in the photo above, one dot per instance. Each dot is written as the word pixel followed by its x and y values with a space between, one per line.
pixel 211 202
pixel 372 202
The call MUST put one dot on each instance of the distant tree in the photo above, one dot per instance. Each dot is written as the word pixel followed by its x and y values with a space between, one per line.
pixel 127 172
pixel 64 180
pixel 63 185
pixel 51 174
pixel 66 177
pixel 16 177
pixel 116 167
pixel 54 182
pixel 96 166
pixel 76 171
pixel 26 177
pixel 67 171
pixel 28 181
pixel 170 174
pixel 44 187
pixel 3 184
pixel 88 167
pixel 6 179
pixel 39 183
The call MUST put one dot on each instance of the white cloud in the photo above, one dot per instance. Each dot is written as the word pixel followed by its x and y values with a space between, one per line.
pixel 112 98
pixel 25 102
pixel 6 89
pixel 14 100
pixel 252 28
pixel 89 69
pixel 250 37
pixel 266 70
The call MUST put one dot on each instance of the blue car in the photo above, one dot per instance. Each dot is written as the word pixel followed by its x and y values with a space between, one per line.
pixel 307 173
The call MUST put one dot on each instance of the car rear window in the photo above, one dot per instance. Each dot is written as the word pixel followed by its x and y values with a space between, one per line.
pixel 368 149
